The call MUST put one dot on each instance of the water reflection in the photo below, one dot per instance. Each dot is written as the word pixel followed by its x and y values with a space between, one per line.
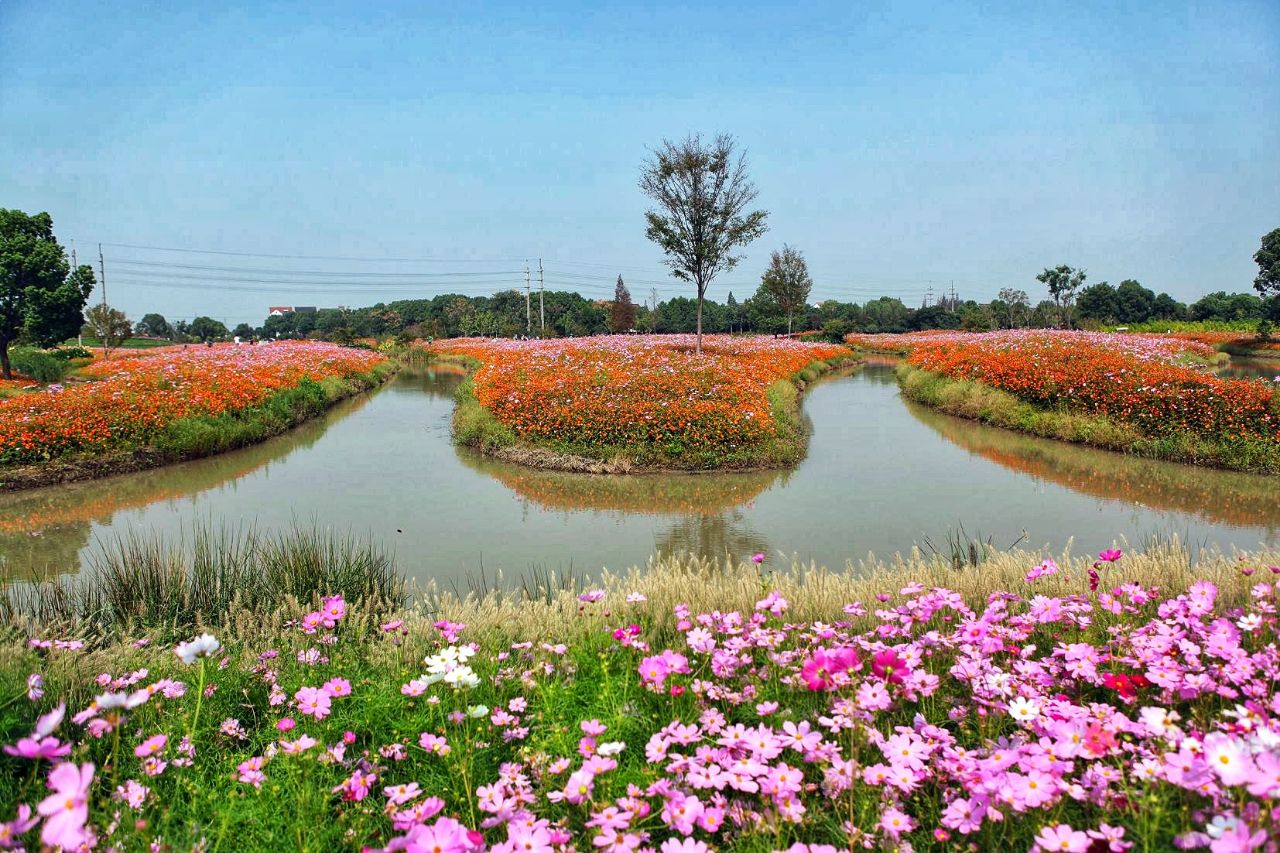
pixel 652 494
pixel 1251 368
pixel 1225 497
pixel 43 531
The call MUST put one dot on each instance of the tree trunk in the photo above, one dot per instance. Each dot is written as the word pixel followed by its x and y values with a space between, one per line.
pixel 788 325
pixel 700 298
pixel 4 361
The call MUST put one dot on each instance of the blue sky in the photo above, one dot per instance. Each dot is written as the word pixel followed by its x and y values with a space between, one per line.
pixel 899 146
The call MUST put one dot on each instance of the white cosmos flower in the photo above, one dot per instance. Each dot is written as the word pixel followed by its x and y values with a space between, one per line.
pixel 202 646
pixel 1024 710
pixel 613 747
pixel 475 712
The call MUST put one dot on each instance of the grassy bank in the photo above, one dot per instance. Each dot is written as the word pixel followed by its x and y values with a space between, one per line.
pixel 585 715
pixel 992 406
pixel 476 427
pixel 201 435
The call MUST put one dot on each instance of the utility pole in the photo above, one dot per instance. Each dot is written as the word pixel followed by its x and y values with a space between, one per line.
pixel 928 297
pixel 653 309
pixel 528 306
pixel 102 271
pixel 542 308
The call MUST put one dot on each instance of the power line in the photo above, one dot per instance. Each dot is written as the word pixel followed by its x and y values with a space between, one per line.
pixel 311 257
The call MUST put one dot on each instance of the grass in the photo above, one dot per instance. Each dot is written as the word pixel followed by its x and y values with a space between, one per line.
pixel 994 407
pixel 476 427
pixel 147 582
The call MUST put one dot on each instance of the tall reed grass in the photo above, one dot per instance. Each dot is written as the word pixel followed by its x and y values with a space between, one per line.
pixel 145 580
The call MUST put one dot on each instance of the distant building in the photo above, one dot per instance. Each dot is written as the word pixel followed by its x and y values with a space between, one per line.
pixel 304 309
pixel 279 310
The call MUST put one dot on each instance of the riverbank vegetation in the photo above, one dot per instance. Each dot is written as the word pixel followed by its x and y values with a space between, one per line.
pixel 1030 703
pixel 637 402
pixel 1143 394
pixel 163 405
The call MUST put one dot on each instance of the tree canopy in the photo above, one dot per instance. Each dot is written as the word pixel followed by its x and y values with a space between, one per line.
pixel 702 194
pixel 787 282
pixel 41 298
pixel 1268 261
pixel 1063 283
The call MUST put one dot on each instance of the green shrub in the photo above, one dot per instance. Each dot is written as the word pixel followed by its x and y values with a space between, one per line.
pixel 38 364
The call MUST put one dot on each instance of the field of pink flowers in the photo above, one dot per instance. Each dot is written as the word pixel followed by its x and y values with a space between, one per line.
pixel 1116 717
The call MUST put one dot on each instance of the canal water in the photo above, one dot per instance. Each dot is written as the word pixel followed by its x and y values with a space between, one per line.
pixel 881 476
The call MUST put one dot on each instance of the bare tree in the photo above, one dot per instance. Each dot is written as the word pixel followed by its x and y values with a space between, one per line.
pixel 702 193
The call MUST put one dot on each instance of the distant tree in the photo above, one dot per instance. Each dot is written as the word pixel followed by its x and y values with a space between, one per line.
pixel 108 325
pixel 153 325
pixel 733 312
pixel 886 314
pixel 702 194
pixel 1228 307
pixel 1134 303
pixel 41 298
pixel 622 313
pixel 787 282
pixel 1098 302
pixel 1166 307
pixel 1268 261
pixel 1063 283
pixel 975 318
pixel 206 329
pixel 1019 306
pixel 182 329
pixel 1046 314
pixel 243 331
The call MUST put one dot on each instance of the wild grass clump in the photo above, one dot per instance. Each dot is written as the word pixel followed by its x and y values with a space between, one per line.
pixel 139 581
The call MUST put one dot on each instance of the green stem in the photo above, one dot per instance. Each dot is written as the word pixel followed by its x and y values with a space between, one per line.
pixel 199 701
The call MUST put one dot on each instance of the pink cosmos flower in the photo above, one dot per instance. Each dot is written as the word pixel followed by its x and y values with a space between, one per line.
pixel 286 724
pixel 1063 838
pixel 313 701
pixel 19 826
pixel 35 750
pixel 151 746
pixel 67 808
pixel 337 687
pixel 1110 555
pixel 757 558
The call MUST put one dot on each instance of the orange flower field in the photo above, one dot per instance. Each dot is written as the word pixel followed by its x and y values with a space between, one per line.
pixel 1131 378
pixel 132 397
pixel 640 389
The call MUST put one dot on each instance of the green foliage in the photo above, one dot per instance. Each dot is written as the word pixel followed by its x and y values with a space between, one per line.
pixel 622 311
pixel 1063 283
pixel 1268 261
pixel 154 325
pixel 786 283
pixel 40 296
pixel 1227 307
pixel 39 365
pixel 207 329
pixel 702 193
pixel 70 353
pixel 108 325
